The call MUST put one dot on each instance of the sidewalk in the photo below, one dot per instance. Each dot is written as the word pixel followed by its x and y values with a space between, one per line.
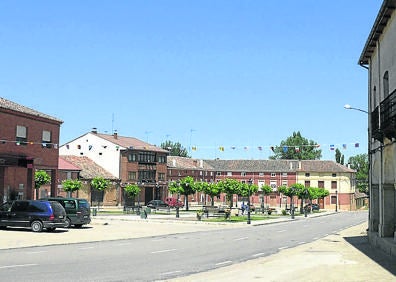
pixel 345 256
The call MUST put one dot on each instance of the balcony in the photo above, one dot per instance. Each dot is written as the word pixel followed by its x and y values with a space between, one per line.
pixel 383 124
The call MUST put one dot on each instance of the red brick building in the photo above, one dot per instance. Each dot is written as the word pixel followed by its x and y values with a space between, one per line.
pixel 28 142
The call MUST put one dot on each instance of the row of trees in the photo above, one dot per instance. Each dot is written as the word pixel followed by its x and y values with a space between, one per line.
pixel 297 147
pixel 187 186
pixel 41 178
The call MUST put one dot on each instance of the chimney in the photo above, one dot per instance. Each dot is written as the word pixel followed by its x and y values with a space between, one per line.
pixel 94 130
pixel 115 135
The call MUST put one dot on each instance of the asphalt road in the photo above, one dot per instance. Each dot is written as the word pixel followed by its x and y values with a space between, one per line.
pixel 167 256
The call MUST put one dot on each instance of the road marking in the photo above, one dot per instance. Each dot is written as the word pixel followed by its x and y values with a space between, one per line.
pixel 37 252
pixel 17 265
pixel 257 255
pixel 282 248
pixel 224 262
pixel 280 231
pixel 86 248
pixel 300 243
pixel 243 238
pixel 171 272
pixel 163 251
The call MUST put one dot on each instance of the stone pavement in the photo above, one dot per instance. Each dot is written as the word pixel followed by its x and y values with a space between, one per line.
pixel 344 256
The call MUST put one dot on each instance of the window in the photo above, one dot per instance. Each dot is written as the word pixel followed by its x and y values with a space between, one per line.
pixel 46 139
pixel 131 175
pixel 243 173
pixel 333 200
pixel 161 176
pixel 132 158
pixel 147 157
pixel 21 135
pixel 162 159
pixel 218 173
pixel 284 183
pixel 333 184
pixel 261 173
pixel 273 174
pixel 229 173
pixel 307 183
pixel 307 174
pixel 284 174
pixel 334 175
pixel 273 185
pixel 386 84
pixel 320 184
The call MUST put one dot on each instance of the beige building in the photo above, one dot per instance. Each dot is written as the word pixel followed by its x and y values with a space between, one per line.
pixel 338 179
pixel 379 58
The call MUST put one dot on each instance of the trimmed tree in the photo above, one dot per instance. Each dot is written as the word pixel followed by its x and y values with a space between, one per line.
pixel 211 189
pixel 132 190
pixel 185 186
pixel 40 178
pixel 230 187
pixel 71 185
pixel 100 184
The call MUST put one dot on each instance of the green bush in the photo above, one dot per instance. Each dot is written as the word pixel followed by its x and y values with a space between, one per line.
pixel 284 212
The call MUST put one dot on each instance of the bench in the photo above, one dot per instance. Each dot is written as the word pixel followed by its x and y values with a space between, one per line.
pixel 132 209
pixel 214 211
pixel 167 209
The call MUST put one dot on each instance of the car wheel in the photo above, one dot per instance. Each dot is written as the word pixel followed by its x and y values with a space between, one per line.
pixel 68 223
pixel 3 227
pixel 37 226
pixel 51 229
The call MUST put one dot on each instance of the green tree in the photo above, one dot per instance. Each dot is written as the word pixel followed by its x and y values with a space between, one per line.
pixel 132 190
pixel 186 186
pixel 71 185
pixel 99 183
pixel 175 149
pixel 297 147
pixel 246 189
pixel 361 165
pixel 339 157
pixel 230 187
pixel 211 189
pixel 40 178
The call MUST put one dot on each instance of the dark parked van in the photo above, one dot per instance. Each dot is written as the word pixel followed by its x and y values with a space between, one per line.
pixel 35 214
pixel 78 212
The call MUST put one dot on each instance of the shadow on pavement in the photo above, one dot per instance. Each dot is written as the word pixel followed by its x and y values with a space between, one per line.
pixel 362 244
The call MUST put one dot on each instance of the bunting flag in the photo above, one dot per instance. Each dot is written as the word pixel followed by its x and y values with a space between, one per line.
pixel 356 145
pixel 221 148
pixel 260 148
pixel 332 147
pixel 233 147
pixel 272 149
pixel 285 149
pixel 344 146
pixel 194 148
pixel 246 148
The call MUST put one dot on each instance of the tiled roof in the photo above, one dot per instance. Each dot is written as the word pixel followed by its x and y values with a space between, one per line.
pixel 253 165
pixel 89 169
pixel 187 163
pixel 127 142
pixel 65 165
pixel 9 105
pixel 323 166
pixel 258 165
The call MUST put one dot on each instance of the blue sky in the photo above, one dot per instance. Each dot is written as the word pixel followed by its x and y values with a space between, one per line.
pixel 205 73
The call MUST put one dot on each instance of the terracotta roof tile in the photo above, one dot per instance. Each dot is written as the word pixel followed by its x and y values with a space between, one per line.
pixel 89 169
pixel 9 105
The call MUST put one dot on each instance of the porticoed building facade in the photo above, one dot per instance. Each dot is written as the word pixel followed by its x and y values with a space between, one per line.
pixel 28 142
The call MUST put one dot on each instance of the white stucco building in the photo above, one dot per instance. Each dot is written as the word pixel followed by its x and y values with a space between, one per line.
pixel 379 58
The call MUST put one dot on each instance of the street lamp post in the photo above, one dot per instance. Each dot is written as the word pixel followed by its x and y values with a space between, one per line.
pixel 349 107
pixel 250 182
pixel 292 202
pixel 178 197
pixel 336 209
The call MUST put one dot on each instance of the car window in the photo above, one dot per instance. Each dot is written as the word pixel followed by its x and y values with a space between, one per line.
pixel 69 204
pixel 20 206
pixel 83 204
pixel 36 207
pixel 6 206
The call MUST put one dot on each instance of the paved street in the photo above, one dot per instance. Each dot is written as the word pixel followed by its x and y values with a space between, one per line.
pixel 342 256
